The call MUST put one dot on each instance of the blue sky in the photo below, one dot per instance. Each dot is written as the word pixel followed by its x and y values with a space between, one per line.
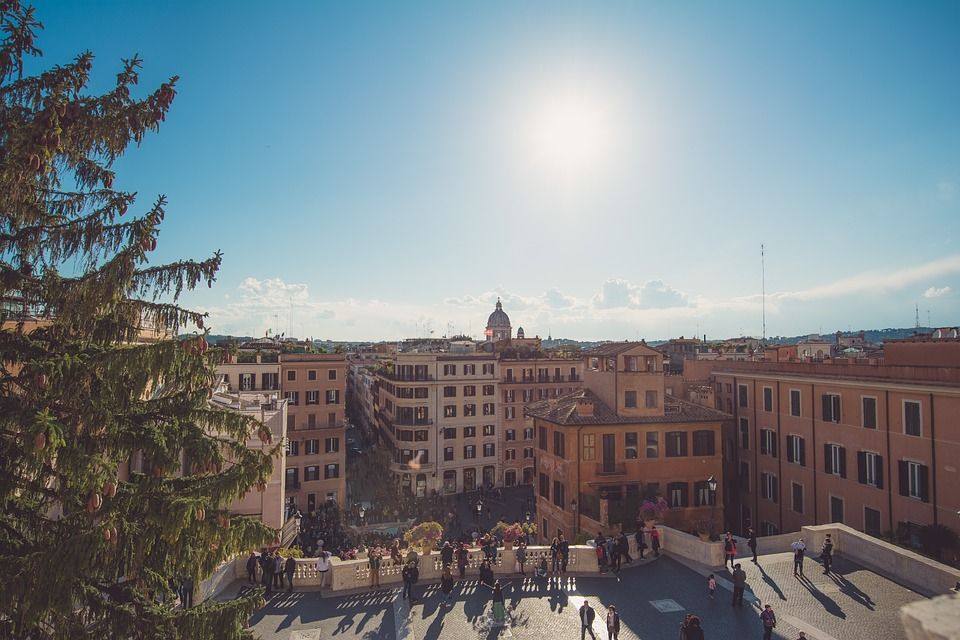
pixel 380 170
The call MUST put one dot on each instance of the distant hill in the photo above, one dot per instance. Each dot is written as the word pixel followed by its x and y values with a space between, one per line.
pixel 870 335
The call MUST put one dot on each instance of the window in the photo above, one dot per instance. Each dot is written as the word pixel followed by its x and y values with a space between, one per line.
pixel 744 475
pixel 331 471
pixel 489 408
pixel 796 502
pixel 869 412
pixel 510 454
pixel 449 433
pixel 589 446
pixel 293 480
pixel 528 433
pixel 509 434
pixel 742 395
pixel 558 491
pixel 914 480
pixel 291 375
pixel 421 435
pixel 447 454
pixel 702 496
pixel 247 381
pixel 542 438
pixel 836 509
pixel 469 410
pixel 489 450
pixel 311 473
pixel 631 446
pixel 703 443
pixel 630 399
pixel 469 452
pixel 744 433
pixel 331 374
pixel 651 397
pixel 293 447
pixel 729 387
pixel 312 374
pixel 311 447
pixel 421 392
pixel 911 417
pixel 653 444
pixel 488 388
pixel 794 402
pixel 676 444
pixel 405 435
pixel 796 450
pixel 450 392
pixel 270 380
pixel 769 487
pixel 527 453
pixel 291 422
pixel 768 442
pixel 469 432
pixel 450 411
pixel 871 522
pixel 509 413
pixel 768 529
pixel 293 397
pixel 545 486
pixel 831 407
pixel 333 396
pixel 870 469
pixel 677 494
pixel 489 430
pixel 488 371
pixel 331 419
pixel 835 460
pixel 470 390
pixel 767 399
pixel 449 369
pixel 559 444
pixel 469 369
pixel 331 445
pixel 313 397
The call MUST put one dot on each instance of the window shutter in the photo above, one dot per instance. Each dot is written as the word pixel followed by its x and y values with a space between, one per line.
pixel 683 448
pixel 843 462
pixel 826 407
pixel 790 448
pixel 773 443
pixel 904 470
pixel 763 442
pixel 862 467
pixel 878 461
pixel 836 409
pixel 924 483
pixel 803 451
pixel 827 459
pixel 776 489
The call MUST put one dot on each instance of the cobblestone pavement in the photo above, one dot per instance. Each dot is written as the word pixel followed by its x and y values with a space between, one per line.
pixel 652 601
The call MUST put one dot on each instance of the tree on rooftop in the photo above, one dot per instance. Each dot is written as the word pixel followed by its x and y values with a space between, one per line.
pixel 85 553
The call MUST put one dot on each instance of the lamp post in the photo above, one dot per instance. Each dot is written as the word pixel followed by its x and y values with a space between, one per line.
pixel 576 520
pixel 712 486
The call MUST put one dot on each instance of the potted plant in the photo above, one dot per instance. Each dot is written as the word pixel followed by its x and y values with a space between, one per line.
pixel 424 537
pixel 652 509
pixel 704 528
pixel 529 530
pixel 511 534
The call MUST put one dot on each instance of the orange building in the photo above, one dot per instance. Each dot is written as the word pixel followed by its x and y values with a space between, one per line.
pixel 620 439
pixel 874 446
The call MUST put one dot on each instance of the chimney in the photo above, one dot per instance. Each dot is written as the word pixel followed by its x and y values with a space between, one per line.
pixel 585 408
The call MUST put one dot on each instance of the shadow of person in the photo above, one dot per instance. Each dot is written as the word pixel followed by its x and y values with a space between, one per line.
pixel 771 583
pixel 852 591
pixel 829 604
pixel 435 629
pixel 558 600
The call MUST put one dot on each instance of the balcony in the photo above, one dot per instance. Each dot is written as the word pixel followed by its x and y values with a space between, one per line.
pixel 400 422
pixel 407 378
pixel 548 379
pixel 617 469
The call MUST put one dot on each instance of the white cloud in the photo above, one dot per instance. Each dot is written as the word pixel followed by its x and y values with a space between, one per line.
pixel 936 292
pixel 614 294
pixel 555 299
pixel 654 294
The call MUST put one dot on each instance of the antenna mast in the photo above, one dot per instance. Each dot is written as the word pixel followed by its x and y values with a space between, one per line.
pixel 763 296
pixel 917 319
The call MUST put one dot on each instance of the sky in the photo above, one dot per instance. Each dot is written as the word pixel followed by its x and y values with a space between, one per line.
pixel 610 170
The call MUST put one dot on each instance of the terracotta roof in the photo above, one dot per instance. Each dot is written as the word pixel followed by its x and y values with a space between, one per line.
pixel 563 411
pixel 616 348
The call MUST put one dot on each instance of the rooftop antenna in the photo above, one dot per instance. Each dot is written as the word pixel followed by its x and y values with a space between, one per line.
pixel 763 297
pixel 917 319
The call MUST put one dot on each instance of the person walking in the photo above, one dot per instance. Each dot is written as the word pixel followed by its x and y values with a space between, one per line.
pixel 613 623
pixel 323 568
pixel 641 541
pixel 409 575
pixel 278 570
pixel 521 554
pixel 769 620
pixel 752 542
pixel 739 584
pixel 694 630
pixel 587 615
pixel 601 550
pixel 612 552
pixel 374 560
pixel 729 550
pixel 623 545
pixel 499 606
pixel 555 555
pixel 799 549
pixel 252 568
pixel 290 568
pixel 462 557
pixel 266 571
pixel 711 585
pixel 446 554
pixel 446 583
pixel 655 540
pixel 564 553
pixel 826 553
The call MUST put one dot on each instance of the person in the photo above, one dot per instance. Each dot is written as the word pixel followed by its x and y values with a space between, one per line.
pixel 799 549
pixel 641 541
pixel 694 629
pixel 446 554
pixel 564 553
pixel 446 583
pixel 752 542
pixel 374 560
pixel 290 568
pixel 739 584
pixel 410 575
pixel 684 626
pixel 266 571
pixel 601 551
pixel 521 557
pixel 711 585
pixel 395 554
pixel 826 553
pixel 613 623
pixel 323 568
pixel 462 557
pixel 499 608
pixel 623 546
pixel 769 620
pixel 252 568
pixel 542 568
pixel 803 635
pixel 555 555
pixel 486 573
pixel 587 615
pixel 612 553
pixel 729 550
pixel 655 540
pixel 278 570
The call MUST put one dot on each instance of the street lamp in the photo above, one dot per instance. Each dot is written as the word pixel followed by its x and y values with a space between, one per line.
pixel 712 485
pixel 576 520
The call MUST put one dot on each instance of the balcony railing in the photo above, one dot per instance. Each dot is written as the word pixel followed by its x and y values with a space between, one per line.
pixel 549 379
pixel 606 469
pixel 425 377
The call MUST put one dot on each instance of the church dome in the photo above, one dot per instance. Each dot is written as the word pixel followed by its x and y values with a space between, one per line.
pixel 498 318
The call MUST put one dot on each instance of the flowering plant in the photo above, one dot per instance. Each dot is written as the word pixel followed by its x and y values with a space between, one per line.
pixel 512 533
pixel 424 536
pixel 653 509
pixel 529 528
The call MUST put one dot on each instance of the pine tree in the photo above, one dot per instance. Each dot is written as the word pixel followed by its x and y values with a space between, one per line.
pixel 97 376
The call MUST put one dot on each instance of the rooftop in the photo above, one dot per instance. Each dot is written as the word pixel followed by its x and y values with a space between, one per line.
pixel 563 411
